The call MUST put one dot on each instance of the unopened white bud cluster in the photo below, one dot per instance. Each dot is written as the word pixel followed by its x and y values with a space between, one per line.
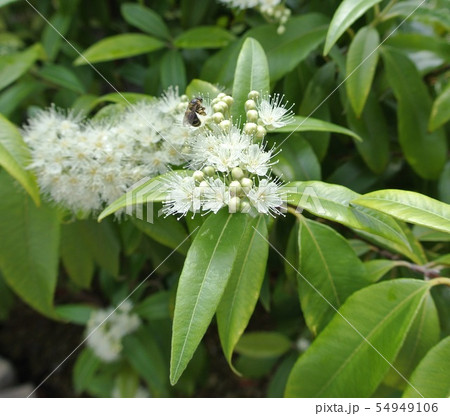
pixel 85 164
pixel 106 328
pixel 273 10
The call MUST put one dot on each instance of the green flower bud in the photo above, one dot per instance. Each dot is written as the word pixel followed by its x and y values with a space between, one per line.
pixel 228 99
pixel 247 184
pixel 235 188
pixel 245 207
pixel 252 115
pixel 225 125
pixel 198 175
pixel 234 204
pixel 250 105
pixel 218 117
pixel 260 132
pixel 209 170
pixel 250 128
pixel 221 95
pixel 237 173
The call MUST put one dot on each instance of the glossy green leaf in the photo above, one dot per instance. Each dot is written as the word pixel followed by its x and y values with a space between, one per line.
pixel 205 274
pixel 333 203
pixel 372 128
pixel 424 151
pixel 84 369
pixel 329 269
pixel 278 382
pixel 199 88
pixel 430 377
pixel 28 247
pixel 204 37
pixel 15 156
pixel 311 124
pixel 6 2
pixel 75 254
pixel 13 66
pixel 17 94
pixel 376 269
pixel 51 38
pixel 244 285
pixel 145 19
pixel 76 313
pixel 429 234
pixel 347 13
pixel 297 161
pixel 444 184
pixel 341 362
pixel 252 73
pixel 126 98
pixel 410 207
pixel 173 71
pixel 166 231
pixel 150 190
pixel 261 344
pixel 362 59
pixel 423 335
pixel 154 307
pixel 440 112
pixel 144 354
pixel 119 47
pixel 62 76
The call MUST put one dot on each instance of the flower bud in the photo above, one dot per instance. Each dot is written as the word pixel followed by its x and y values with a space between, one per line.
pixel 252 115
pixel 250 105
pixel 253 95
pixel 234 204
pixel 209 171
pixel 228 99
pixel 250 128
pixel 245 207
pixel 225 125
pixel 184 98
pixel 217 117
pixel 203 185
pixel 237 173
pixel 260 132
pixel 235 188
pixel 221 95
pixel 281 29
pixel 198 175
pixel 247 184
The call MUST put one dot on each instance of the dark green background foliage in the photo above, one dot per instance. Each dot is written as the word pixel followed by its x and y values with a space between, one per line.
pixel 380 256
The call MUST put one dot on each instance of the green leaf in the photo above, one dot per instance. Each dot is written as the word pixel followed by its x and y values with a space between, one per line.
pixel 173 71
pixel 118 47
pixel 15 156
pixel 123 98
pixel 376 269
pixel 150 190
pixel 423 335
pixel 74 313
pixel 84 369
pixel 62 76
pixel 297 160
pixel 444 184
pixel 333 203
pixel 440 113
pixel 13 66
pixel 341 362
pixel 17 94
pixel 205 274
pixel 154 307
pixel 428 234
pixel 51 38
pixel 145 19
pixel 166 231
pixel 145 356
pixel 102 243
pixel 409 206
pixel 75 254
pixel 252 73
pixel 284 52
pixel 199 88
pixel 329 268
pixel 311 124
pixel 263 344
pixel 28 247
pixel 204 37
pixel 424 151
pixel 6 2
pixel 244 285
pixel 430 377
pixel 373 129
pixel 347 13
pixel 362 59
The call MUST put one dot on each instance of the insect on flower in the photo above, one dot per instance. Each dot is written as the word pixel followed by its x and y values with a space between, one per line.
pixel 194 108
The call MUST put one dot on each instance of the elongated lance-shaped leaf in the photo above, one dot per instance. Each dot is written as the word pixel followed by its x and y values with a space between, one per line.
pixel 431 375
pixel 409 206
pixel 440 113
pixel 327 260
pixel 347 12
pixel 252 73
pixel 242 291
pixel 351 355
pixel 205 274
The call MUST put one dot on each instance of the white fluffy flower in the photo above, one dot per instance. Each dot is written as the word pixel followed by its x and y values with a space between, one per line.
pixel 273 114
pixel 256 160
pixel 241 4
pixel 106 328
pixel 183 195
pixel 266 197
pixel 216 195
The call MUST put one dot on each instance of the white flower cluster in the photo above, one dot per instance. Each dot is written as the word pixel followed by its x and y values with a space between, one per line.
pixel 84 165
pixel 273 10
pixel 231 166
pixel 105 330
